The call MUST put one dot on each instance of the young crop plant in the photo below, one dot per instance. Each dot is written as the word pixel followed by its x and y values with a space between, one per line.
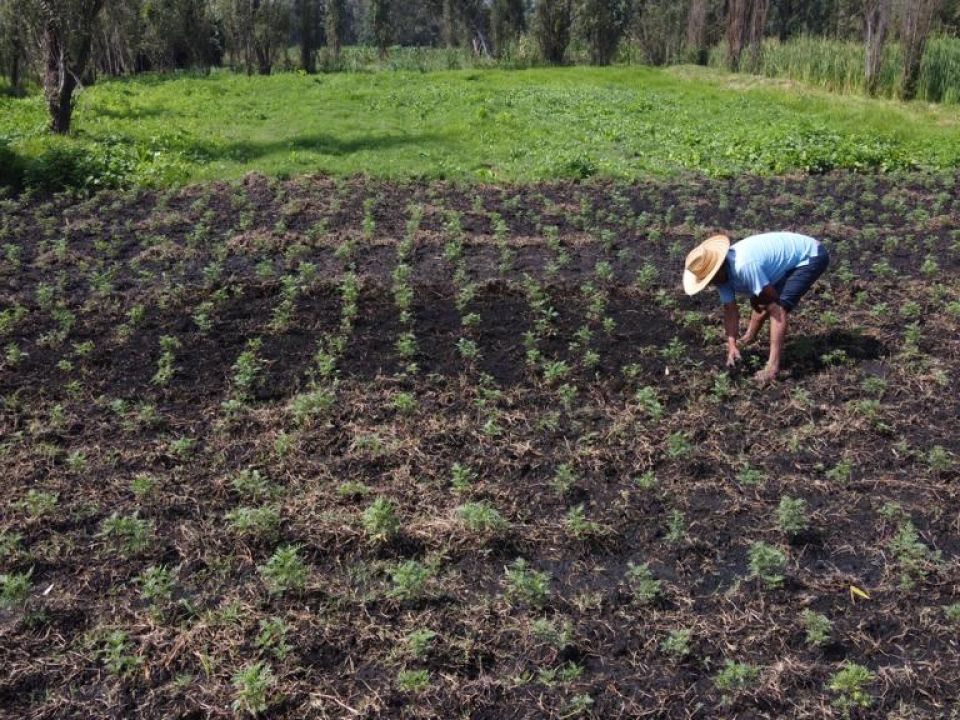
pixel 676 527
pixel 165 368
pixel 404 402
pixel 247 369
pixel 914 557
pixel 156 584
pixel 14 588
pixel 849 684
pixel 252 688
pixel 117 656
pixel 285 570
pixel 130 534
pixel 306 407
pixel 260 522
pixel 524 585
pixel 380 520
pixel 678 445
pixel 792 516
pixel 272 638
pixel 461 478
pixel 735 676
pixel 648 403
pixel 37 503
pixel 413 681
pixel 409 580
pixel 768 564
pixel 643 585
pixel 252 485
pixel 818 628
pixel 419 643
pixel 557 633
pixel 578 526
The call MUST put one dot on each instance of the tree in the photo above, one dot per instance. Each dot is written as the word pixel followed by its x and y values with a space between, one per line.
pixel 658 28
pixel 307 13
pixel 507 22
pixel 67 31
pixel 603 23
pixel 256 30
pixel 695 39
pixel 917 17
pixel 336 24
pixel 553 21
pixel 13 40
pixel 876 18
pixel 381 25
pixel 746 20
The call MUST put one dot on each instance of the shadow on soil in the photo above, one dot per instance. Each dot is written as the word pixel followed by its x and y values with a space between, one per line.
pixel 810 354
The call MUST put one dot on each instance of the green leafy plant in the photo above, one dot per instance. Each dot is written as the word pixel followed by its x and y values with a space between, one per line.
pixel 409 580
pixel 380 520
pixel 677 643
pixel 252 687
pixel 735 676
pixel 767 563
pixel 643 585
pixel 818 627
pixel 526 585
pixel 792 515
pixel 284 570
pixel 482 517
pixel 849 684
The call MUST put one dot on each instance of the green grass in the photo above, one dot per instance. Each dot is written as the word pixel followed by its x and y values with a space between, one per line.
pixel 481 125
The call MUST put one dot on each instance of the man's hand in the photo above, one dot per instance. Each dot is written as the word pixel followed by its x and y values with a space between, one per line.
pixel 768 374
pixel 733 356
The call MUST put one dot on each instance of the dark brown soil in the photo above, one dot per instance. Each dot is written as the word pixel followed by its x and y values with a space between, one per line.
pixel 862 427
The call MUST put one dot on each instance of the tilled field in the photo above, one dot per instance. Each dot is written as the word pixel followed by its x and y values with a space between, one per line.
pixel 320 449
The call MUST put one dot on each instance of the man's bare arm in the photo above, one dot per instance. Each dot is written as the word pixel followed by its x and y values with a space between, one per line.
pixel 731 325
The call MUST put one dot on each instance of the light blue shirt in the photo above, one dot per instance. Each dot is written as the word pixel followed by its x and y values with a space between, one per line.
pixel 761 260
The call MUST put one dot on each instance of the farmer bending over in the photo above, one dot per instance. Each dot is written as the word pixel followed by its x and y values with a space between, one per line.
pixel 775 269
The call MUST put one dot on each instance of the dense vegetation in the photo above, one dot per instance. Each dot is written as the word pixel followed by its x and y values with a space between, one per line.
pixel 484 125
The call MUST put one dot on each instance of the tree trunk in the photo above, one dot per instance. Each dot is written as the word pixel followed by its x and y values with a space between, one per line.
pixel 308 56
pixel 877 16
pixel 58 81
pixel 918 17
pixel 449 23
pixel 696 35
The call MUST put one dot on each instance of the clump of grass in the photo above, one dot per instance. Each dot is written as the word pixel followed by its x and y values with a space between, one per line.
pixel 413 681
pixel 131 534
pixel 14 588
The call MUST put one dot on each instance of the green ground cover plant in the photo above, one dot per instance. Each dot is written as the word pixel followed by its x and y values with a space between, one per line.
pixel 480 125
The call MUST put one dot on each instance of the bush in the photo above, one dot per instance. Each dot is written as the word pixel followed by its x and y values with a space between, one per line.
pixel 11 166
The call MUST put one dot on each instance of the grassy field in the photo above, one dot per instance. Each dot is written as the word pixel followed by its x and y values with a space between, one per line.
pixel 322 448
pixel 488 125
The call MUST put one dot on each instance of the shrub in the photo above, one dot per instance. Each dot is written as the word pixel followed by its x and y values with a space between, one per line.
pixel 12 166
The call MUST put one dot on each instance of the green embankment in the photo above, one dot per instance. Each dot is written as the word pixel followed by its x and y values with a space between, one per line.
pixel 486 125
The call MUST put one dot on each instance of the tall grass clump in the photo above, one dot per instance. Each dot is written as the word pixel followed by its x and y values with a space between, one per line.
pixel 838 66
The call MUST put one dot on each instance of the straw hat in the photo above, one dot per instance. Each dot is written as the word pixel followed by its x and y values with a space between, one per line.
pixel 703 262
